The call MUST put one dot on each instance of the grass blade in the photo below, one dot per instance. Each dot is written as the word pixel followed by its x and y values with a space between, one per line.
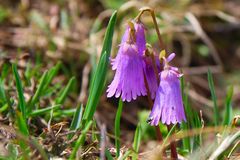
pixel 3 98
pixel 39 90
pixel 228 103
pixel 214 98
pixel 117 127
pixel 22 124
pixel 22 103
pixel 107 42
pixel 169 134
pixel 61 98
pixel 188 113
pixel 43 110
pixel 126 154
pixel 3 108
pixel 99 78
pixel 137 138
pixel 80 140
pixel 51 73
pixel 108 155
pixel 197 140
pixel 76 121
pixel 64 112
pixel 187 108
pixel 5 69
pixel 186 140
pixel 137 141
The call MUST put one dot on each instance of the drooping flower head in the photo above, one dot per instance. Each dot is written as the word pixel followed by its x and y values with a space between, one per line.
pixel 128 81
pixel 168 106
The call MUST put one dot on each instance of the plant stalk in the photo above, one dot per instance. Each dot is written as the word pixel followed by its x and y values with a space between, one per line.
pixel 147 9
pixel 173 146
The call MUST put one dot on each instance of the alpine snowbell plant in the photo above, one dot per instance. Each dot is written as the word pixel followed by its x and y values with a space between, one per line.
pixel 138 73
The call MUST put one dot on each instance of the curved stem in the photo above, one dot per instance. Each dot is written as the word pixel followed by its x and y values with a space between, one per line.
pixel 147 9
pixel 161 44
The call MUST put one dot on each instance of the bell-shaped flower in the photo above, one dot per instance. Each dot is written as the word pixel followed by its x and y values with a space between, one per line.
pixel 168 106
pixel 128 81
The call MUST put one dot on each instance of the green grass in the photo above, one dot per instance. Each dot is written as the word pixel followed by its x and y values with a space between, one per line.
pixel 64 92
pixel 30 109
pixel 99 78
pixel 80 141
pixel 228 107
pixel 117 127
pixel 137 138
pixel 22 104
pixel 39 112
pixel 188 113
pixel 39 90
pixel 214 98
pixel 76 121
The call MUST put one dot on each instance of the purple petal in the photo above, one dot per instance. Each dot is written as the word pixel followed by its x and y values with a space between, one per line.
pixel 170 57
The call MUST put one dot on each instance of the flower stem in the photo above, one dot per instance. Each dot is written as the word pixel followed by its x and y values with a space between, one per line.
pixel 161 44
pixel 173 147
pixel 148 9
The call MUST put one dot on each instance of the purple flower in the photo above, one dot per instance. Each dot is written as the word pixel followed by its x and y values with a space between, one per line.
pixel 139 36
pixel 129 78
pixel 168 105
pixel 150 74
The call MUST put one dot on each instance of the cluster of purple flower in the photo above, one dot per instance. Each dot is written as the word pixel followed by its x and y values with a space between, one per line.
pixel 135 76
